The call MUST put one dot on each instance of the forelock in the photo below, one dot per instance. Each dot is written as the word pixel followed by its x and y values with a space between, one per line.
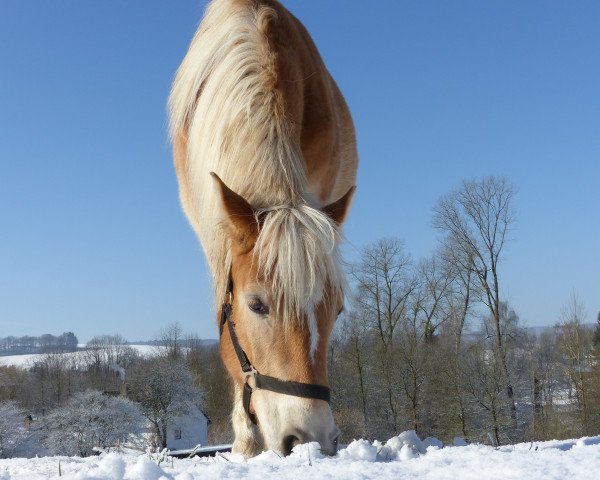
pixel 297 253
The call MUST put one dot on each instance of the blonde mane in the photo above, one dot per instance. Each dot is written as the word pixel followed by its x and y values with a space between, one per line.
pixel 225 107
pixel 297 249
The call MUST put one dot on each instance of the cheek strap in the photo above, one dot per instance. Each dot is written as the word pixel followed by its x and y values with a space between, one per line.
pixel 263 382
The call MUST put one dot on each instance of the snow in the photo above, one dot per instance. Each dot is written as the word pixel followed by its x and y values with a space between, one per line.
pixel 402 457
pixel 359 450
pixel 27 360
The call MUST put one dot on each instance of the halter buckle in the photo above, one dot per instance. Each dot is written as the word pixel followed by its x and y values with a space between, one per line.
pixel 250 373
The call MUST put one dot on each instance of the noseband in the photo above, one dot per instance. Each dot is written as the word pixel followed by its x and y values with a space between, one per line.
pixel 263 382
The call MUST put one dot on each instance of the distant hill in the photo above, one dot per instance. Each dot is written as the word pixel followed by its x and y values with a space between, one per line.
pixel 205 342
pixel 67 342
pixel 537 331
pixel 147 349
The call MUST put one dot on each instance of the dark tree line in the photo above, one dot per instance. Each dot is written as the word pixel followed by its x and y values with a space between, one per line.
pixel 433 345
pixel 67 342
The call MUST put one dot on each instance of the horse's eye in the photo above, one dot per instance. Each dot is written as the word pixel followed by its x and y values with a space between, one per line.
pixel 258 307
pixel 341 310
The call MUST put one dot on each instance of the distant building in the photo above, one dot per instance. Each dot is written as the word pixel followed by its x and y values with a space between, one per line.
pixel 188 431
pixel 184 432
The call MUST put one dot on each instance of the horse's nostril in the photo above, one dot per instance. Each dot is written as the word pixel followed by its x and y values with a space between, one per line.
pixel 336 442
pixel 289 443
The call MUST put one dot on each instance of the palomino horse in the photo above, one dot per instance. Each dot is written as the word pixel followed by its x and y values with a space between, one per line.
pixel 265 155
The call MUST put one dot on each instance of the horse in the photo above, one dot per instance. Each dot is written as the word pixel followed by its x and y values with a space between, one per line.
pixel 265 155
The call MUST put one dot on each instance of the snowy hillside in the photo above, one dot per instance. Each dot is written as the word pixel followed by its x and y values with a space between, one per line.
pixel 402 457
pixel 27 360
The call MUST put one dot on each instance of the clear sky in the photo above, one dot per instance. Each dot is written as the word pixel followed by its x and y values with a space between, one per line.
pixel 92 238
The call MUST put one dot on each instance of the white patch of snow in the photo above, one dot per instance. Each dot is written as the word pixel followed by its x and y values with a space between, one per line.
pixel 405 446
pixel 555 460
pixel 146 469
pixel 359 450
pixel 308 452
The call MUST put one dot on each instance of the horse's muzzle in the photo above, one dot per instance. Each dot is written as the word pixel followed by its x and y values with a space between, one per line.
pixel 328 441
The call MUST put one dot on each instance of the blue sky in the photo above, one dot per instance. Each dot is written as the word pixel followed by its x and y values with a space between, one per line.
pixel 92 238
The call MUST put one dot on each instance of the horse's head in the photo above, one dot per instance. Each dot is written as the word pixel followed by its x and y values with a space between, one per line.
pixel 287 290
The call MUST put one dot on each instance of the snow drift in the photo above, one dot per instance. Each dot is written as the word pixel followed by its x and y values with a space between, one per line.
pixel 402 457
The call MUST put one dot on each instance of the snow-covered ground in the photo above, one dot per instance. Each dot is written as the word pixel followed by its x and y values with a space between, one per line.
pixel 402 457
pixel 27 360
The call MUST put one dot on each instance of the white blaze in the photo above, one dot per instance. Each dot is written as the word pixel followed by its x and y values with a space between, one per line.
pixel 313 330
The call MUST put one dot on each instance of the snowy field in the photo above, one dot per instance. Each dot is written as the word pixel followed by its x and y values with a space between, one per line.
pixel 402 457
pixel 27 360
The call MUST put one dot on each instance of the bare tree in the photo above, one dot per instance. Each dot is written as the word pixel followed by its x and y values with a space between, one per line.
pixel 477 219
pixel 384 281
pixel 575 343
pixel 446 381
pixel 463 290
pixel 411 355
pixel 106 350
pixel 54 379
pixel 436 279
pixel 171 338
pixel 350 352
pixel 164 388
pixel 483 382
pixel 106 358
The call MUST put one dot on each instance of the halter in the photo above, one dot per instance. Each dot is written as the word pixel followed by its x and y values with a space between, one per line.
pixel 263 382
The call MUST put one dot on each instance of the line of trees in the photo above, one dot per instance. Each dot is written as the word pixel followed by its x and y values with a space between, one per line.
pixel 67 342
pixel 433 346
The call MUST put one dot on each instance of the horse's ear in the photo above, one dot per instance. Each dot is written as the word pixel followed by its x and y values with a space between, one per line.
pixel 238 214
pixel 337 210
